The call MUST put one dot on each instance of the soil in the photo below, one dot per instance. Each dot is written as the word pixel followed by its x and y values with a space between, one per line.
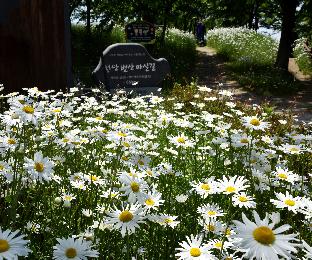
pixel 211 71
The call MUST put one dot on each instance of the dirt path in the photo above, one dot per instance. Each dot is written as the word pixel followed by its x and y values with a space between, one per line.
pixel 210 71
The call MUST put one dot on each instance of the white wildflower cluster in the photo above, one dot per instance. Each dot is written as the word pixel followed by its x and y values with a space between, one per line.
pixel 116 177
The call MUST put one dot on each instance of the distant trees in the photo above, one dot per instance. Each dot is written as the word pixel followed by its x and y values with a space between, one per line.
pixel 292 17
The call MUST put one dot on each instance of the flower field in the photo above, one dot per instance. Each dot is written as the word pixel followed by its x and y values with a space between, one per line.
pixel 113 177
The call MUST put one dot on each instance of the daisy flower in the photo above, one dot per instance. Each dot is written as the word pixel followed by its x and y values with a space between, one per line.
pixel 307 249
pixel 259 240
pixel 165 220
pixel 290 149
pixel 193 248
pixel 285 175
pixel 210 211
pixel 255 123
pixel 242 200
pixel 11 245
pixel 134 188
pixel 235 184
pixel 40 168
pixel 287 201
pixel 127 219
pixel 70 248
pixel 153 200
pixel 205 188
pixel 219 244
pixel 181 140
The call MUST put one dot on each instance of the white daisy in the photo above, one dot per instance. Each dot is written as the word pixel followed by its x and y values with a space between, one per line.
pixel 285 175
pixel 243 200
pixel 287 201
pixel 259 240
pixel 11 245
pixel 235 184
pixel 127 219
pixel 255 123
pixel 205 188
pixel 70 248
pixel 40 168
pixel 192 249
pixel 210 211
pixel 134 188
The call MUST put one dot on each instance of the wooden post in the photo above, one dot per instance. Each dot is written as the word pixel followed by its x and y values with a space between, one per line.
pixel 35 45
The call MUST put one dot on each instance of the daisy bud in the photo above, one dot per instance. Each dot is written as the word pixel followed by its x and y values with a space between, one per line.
pixel 58 200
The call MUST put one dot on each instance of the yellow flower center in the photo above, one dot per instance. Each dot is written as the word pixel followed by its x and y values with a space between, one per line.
pixel 244 141
pixel 57 110
pixel 1 167
pixel 290 203
pixel 211 213
pixel 125 216
pixel 205 186
pixel 124 158
pixel 195 252
pixel 255 122
pixel 39 167
pixel 230 189
pixel 125 144
pixel 121 134
pixel 294 149
pixel 140 162
pixel 71 252
pixel 11 141
pixel 65 140
pixel 282 176
pixel 4 246
pixel 99 118
pixel 150 202
pixel 264 235
pixel 211 227
pixel 94 178
pixel 135 187
pixel 181 140
pixel 242 199
pixel 168 220
pixel 28 109
pixel 218 244
pixel 149 172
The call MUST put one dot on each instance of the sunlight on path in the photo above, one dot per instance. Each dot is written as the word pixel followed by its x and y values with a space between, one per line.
pixel 210 71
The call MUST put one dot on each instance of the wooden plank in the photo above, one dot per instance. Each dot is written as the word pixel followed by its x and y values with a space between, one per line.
pixel 33 46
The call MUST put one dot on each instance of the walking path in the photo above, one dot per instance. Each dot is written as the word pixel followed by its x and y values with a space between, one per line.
pixel 211 71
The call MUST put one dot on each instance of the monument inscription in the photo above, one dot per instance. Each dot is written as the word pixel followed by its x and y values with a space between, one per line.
pixel 130 66
pixel 140 32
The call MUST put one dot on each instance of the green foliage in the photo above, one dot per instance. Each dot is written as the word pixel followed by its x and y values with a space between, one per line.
pixel 303 58
pixel 88 48
pixel 179 48
pixel 251 59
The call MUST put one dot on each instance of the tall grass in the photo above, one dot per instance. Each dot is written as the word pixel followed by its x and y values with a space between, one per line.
pixel 251 58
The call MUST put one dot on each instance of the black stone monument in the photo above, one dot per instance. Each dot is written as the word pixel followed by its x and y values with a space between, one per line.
pixel 129 66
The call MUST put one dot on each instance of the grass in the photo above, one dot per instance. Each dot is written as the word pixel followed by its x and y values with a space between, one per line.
pixel 250 58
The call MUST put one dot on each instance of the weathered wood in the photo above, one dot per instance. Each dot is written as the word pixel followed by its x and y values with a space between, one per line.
pixel 34 47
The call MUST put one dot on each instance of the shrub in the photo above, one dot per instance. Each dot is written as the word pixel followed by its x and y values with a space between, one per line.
pixel 303 58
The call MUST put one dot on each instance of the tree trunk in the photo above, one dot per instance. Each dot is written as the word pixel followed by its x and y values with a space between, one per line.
pixel 88 5
pixel 166 15
pixel 287 35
